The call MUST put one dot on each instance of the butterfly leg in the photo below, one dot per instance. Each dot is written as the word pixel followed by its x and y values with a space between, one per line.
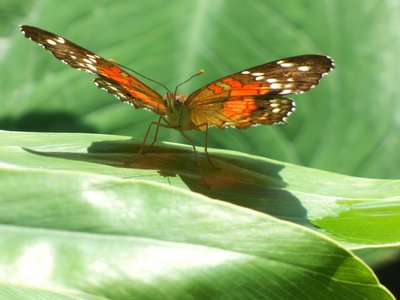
pixel 147 134
pixel 205 149
pixel 195 155
pixel 206 146
pixel 156 133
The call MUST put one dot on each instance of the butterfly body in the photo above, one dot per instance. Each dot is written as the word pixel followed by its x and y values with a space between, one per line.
pixel 178 115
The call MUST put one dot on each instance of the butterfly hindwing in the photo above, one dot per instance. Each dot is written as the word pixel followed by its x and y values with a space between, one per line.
pixel 242 111
pixel 133 90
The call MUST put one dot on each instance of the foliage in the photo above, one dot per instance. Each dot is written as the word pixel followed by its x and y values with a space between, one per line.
pixel 84 217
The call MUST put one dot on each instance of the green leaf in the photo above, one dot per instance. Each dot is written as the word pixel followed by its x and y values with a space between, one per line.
pixel 348 124
pixel 358 212
pixel 85 212
pixel 12 291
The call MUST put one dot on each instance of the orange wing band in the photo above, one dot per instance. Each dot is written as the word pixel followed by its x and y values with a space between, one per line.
pixel 239 107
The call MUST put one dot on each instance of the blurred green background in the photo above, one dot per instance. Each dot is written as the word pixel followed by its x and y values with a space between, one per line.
pixel 349 124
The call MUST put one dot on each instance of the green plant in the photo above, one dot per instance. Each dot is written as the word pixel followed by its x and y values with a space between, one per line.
pixel 84 217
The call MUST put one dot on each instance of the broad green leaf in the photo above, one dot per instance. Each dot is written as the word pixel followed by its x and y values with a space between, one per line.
pixel 348 124
pixel 121 238
pixel 355 211
pixel 12 291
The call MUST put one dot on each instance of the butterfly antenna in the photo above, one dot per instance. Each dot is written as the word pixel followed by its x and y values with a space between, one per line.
pixel 197 74
pixel 141 75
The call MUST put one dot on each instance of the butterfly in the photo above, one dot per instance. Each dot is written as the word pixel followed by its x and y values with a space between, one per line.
pixel 250 97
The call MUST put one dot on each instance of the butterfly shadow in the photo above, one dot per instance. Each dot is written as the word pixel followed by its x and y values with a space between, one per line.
pixel 251 183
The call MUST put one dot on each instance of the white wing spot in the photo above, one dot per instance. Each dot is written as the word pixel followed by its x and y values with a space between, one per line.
pixel 93 60
pixel 257 74
pixel 274 105
pixel 332 63
pixel 276 110
pixel 60 40
pixel 246 72
pixel 291 79
pixel 285 92
pixel 73 57
pixel 280 62
pixel 259 77
pixel 86 60
pixel 51 42
pixel 323 74
pixel 271 80
pixel 276 86
pixel 304 68
pixel 91 67
pixel 287 65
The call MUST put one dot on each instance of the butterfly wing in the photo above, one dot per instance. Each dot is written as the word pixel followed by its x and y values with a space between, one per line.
pixel 112 78
pixel 255 96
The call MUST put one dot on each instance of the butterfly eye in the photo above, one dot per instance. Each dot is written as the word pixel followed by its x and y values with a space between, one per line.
pixel 177 103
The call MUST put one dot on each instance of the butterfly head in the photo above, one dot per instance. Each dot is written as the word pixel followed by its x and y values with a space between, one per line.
pixel 178 114
pixel 173 101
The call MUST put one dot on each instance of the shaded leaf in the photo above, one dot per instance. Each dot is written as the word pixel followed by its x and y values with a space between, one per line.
pixel 358 212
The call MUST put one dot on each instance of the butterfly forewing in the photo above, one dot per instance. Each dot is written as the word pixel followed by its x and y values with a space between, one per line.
pixel 290 75
pixel 115 80
pixel 254 96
